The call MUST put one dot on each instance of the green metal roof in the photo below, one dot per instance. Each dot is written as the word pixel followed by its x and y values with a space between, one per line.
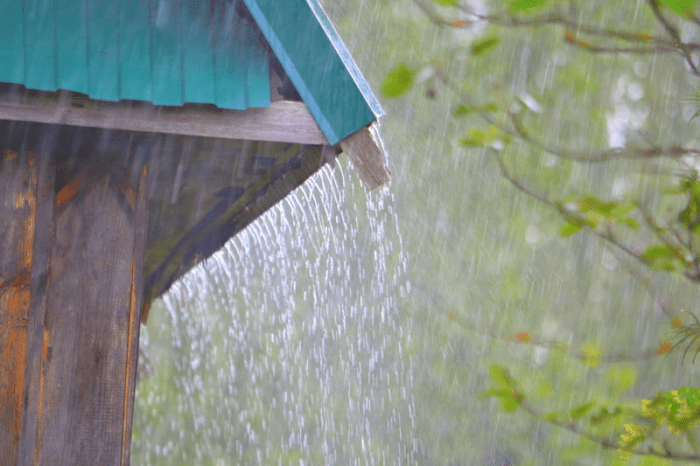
pixel 168 52
pixel 171 52
pixel 318 63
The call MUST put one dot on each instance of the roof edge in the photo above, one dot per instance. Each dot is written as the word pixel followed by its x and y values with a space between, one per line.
pixel 344 54
pixel 268 20
pixel 291 70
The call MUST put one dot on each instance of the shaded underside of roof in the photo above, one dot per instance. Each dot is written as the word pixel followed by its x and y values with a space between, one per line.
pixel 168 52
pixel 201 191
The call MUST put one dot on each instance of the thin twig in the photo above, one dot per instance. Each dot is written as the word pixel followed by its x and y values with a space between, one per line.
pixel 675 36
pixel 607 235
pixel 518 130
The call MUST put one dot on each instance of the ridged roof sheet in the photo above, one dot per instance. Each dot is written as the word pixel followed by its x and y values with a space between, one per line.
pixel 168 52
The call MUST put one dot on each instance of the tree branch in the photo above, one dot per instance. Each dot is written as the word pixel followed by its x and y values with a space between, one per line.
pixel 606 443
pixel 675 36
pixel 519 131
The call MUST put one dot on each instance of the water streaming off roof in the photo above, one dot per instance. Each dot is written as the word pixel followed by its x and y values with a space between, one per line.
pixel 288 345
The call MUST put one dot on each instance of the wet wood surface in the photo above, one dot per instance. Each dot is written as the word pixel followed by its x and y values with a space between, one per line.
pixel 71 292
pixel 284 121
pixel 18 180
pixel 95 224
pixel 367 156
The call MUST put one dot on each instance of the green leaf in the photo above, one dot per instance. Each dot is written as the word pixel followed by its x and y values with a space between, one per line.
pixel 605 414
pixel 660 251
pixel 621 378
pixel 398 81
pixel 447 2
pixel 491 392
pixel 630 222
pixel 510 401
pixel 484 45
pixel 462 110
pixel 518 6
pixel 666 266
pixel 471 142
pixel 508 398
pixel 594 204
pixel 620 210
pixel 590 355
pixel 580 411
pixel 501 376
pixel 691 395
pixel 682 7
pixel 476 137
pixel 544 389
pixel 571 227
pixel 690 217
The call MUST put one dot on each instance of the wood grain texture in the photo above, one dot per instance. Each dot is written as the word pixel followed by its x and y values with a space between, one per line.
pixel 90 330
pixel 367 157
pixel 18 180
pixel 43 234
pixel 136 305
pixel 283 121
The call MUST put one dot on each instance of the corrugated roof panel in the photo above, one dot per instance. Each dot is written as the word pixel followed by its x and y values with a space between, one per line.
pixel 103 49
pixel 240 57
pixel 198 63
pixel 168 52
pixel 39 47
pixel 227 54
pixel 72 35
pixel 12 39
pixel 135 51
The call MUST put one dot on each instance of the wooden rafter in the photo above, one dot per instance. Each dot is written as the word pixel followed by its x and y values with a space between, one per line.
pixel 283 121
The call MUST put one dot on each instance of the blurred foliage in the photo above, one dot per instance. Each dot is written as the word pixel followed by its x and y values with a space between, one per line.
pixel 644 204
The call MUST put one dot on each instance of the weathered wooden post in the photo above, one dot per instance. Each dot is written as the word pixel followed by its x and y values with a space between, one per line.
pixel 137 137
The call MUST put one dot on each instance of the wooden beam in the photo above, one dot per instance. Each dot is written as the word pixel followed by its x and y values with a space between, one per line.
pixel 71 293
pixel 365 151
pixel 18 184
pixel 283 121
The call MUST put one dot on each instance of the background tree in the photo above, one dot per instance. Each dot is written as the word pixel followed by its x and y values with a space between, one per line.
pixel 587 119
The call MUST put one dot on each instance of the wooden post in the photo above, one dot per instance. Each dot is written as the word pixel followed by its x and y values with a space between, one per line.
pixel 71 292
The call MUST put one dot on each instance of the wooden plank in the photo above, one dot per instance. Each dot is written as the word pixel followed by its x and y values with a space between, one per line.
pixel 17 216
pixel 283 121
pixel 90 327
pixel 367 157
pixel 43 234
pixel 136 306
